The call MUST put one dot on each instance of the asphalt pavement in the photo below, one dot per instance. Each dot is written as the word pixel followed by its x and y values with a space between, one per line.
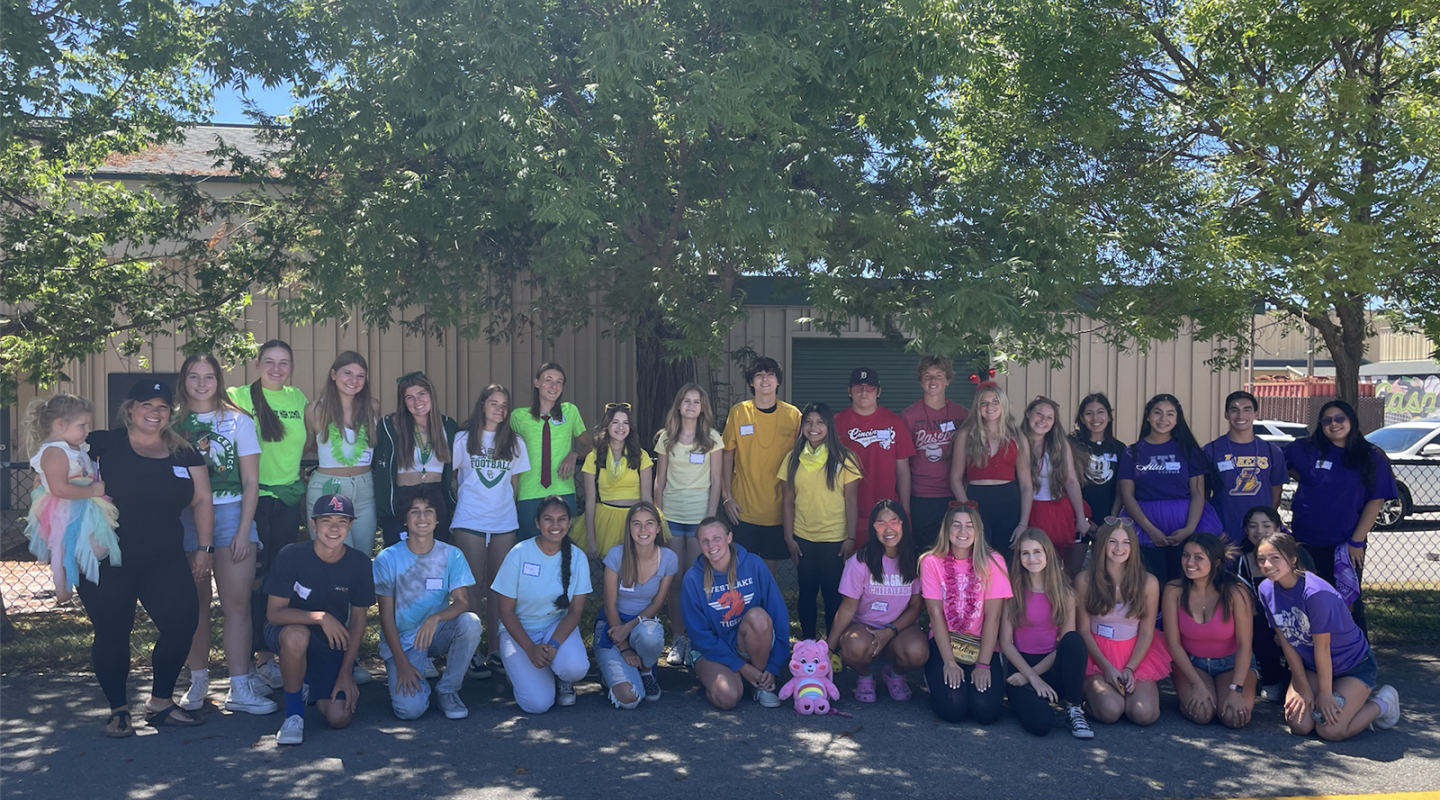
pixel 51 746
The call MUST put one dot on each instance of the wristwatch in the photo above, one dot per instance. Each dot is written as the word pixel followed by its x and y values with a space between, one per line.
pixel 1237 688
pixel 892 628
pixel 206 548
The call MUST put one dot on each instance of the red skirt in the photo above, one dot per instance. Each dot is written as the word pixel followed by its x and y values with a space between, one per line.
pixel 1057 519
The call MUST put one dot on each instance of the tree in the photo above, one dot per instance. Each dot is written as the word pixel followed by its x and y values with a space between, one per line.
pixel 85 262
pixel 1176 162
pixel 512 163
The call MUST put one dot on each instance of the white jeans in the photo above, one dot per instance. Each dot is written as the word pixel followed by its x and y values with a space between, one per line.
pixel 647 640
pixel 535 686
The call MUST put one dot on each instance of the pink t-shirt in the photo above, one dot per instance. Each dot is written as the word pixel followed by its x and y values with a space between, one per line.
pixel 933 435
pixel 878 440
pixel 1038 635
pixel 964 606
pixel 880 603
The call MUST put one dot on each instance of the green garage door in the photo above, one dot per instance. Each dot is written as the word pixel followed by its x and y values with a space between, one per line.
pixel 820 371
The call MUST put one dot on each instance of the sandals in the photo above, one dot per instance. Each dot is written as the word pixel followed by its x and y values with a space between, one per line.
pixel 865 689
pixel 123 730
pixel 165 718
pixel 895 684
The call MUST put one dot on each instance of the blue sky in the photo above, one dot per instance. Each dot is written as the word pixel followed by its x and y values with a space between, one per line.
pixel 229 102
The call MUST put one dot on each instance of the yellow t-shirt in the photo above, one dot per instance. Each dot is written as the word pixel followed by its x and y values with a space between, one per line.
pixel 819 510
pixel 687 479
pixel 760 442
pixel 617 481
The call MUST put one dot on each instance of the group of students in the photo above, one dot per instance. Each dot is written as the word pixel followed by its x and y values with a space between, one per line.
pixel 962 514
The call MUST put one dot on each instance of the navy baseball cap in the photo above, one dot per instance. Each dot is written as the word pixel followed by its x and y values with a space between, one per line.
pixel 149 389
pixel 333 505
pixel 864 376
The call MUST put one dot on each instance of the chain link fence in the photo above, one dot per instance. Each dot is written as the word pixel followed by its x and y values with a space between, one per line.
pixel 1401 582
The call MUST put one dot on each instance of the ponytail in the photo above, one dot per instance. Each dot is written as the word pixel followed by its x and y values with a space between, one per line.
pixel 271 428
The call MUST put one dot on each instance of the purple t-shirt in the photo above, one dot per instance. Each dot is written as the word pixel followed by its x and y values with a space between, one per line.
pixel 1247 476
pixel 1313 606
pixel 1160 471
pixel 1330 495
pixel 879 603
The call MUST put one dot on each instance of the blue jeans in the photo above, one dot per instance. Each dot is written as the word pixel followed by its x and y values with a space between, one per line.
pixel 1217 666
pixel 647 640
pixel 456 639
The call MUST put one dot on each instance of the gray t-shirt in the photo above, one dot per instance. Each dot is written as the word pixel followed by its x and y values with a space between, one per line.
pixel 632 600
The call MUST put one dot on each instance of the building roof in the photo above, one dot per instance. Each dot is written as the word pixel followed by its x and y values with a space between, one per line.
pixel 1426 367
pixel 188 157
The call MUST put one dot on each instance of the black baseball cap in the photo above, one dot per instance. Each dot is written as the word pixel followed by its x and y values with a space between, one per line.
pixel 333 505
pixel 149 389
pixel 864 376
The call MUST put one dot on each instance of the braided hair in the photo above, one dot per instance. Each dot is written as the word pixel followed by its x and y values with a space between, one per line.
pixel 562 600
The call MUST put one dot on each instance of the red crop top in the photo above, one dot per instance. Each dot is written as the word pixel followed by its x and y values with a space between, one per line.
pixel 1001 466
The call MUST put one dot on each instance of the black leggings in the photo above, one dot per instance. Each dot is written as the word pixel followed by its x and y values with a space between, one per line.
pixel 926 514
pixel 1325 568
pixel 1162 562
pixel 1066 676
pixel 819 571
pixel 278 525
pixel 164 586
pixel 1273 669
pixel 999 508
pixel 954 705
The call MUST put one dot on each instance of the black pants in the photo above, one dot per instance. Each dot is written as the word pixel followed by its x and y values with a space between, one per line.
pixel 819 571
pixel 926 514
pixel 1066 676
pixel 278 525
pixel 162 583
pixel 999 513
pixel 954 705
pixel 1325 568
pixel 1163 562
pixel 1273 669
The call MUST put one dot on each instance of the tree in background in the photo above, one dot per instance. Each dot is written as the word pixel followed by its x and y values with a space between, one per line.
pixel 1175 162
pixel 84 263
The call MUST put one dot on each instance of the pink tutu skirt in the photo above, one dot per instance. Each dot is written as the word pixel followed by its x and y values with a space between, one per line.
pixel 1154 666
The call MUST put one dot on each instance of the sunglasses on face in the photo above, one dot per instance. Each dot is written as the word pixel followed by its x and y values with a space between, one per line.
pixel 889 523
pixel 970 504
pixel 1337 419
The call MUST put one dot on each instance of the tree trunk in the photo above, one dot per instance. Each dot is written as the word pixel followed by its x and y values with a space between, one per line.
pixel 656 380
pixel 1345 340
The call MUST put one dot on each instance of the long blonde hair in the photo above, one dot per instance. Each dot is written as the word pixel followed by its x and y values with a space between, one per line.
pixel 732 574
pixel 1057 588
pixel 42 412
pixel 1100 599
pixel 980 561
pixel 1054 446
pixel 329 411
pixel 977 446
pixel 170 437
pixel 704 424
pixel 629 555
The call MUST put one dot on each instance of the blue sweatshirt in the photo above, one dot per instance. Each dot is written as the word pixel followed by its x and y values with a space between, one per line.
pixel 713 622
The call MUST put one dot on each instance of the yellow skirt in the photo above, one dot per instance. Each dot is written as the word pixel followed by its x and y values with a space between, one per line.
pixel 610 528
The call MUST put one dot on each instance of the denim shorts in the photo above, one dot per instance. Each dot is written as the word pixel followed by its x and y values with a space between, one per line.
pixel 682 530
pixel 227 524
pixel 1367 670
pixel 1217 666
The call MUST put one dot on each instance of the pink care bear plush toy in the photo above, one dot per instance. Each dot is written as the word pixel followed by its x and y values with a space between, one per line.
pixel 810 678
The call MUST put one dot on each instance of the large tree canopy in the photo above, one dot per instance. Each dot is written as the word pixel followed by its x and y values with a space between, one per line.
pixel 84 263
pixel 1197 157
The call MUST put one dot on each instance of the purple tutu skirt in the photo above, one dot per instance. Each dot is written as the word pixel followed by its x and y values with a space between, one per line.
pixel 1170 515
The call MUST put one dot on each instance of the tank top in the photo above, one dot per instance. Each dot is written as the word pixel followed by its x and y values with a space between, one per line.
pixel 1038 635
pixel 1042 489
pixel 1001 466
pixel 327 454
pixel 418 465
pixel 1213 639
pixel 1115 625
pixel 77 462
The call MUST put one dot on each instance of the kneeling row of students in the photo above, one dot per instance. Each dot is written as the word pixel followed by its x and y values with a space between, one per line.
pixel 1093 646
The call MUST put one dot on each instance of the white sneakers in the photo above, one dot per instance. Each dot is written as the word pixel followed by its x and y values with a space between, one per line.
pixel 195 696
pixel 564 693
pixel 679 651
pixel 242 697
pixel 767 699
pixel 1387 720
pixel 451 706
pixel 292 731
pixel 361 675
pixel 269 672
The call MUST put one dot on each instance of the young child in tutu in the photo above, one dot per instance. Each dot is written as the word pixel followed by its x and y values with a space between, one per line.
pixel 72 523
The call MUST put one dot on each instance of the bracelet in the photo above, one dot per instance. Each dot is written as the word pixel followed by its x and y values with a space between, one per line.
pixel 892 628
pixel 982 666
pixel 553 643
pixel 1361 544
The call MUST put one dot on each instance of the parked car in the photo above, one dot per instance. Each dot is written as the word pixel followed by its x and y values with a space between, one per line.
pixel 1419 484
pixel 1279 431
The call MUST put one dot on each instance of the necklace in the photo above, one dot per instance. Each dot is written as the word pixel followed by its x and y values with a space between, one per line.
pixel 338 441
pixel 425 450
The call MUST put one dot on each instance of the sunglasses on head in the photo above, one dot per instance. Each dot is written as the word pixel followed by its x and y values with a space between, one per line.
pixel 1334 419
pixel 616 407
pixel 409 377
pixel 1125 521
pixel 970 504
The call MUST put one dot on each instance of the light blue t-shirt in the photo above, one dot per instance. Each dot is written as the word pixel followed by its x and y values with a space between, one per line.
pixel 533 580
pixel 420 584
pixel 631 601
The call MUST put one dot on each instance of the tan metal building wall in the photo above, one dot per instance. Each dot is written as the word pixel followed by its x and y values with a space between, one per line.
pixel 1129 378
pixel 1279 340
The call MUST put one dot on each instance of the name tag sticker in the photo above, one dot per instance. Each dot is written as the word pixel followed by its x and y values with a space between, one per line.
pixel 884 435
pixel 880 606
pixel 625 588
pixel 1172 466
pixel 947 426
pixel 530 569
pixel 434 584
pixel 697 458
pixel 1108 631
pixel 303 591
pixel 1225 466
pixel 747 430
pixel 1323 465
pixel 228 426
pixel 181 472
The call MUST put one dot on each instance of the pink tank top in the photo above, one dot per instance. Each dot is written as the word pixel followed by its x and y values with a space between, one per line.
pixel 1037 636
pixel 1115 625
pixel 1213 639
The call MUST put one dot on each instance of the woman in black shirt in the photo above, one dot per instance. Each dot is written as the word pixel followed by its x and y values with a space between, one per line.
pixel 151 474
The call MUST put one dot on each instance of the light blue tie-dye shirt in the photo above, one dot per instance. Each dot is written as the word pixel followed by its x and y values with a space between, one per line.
pixel 420 584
